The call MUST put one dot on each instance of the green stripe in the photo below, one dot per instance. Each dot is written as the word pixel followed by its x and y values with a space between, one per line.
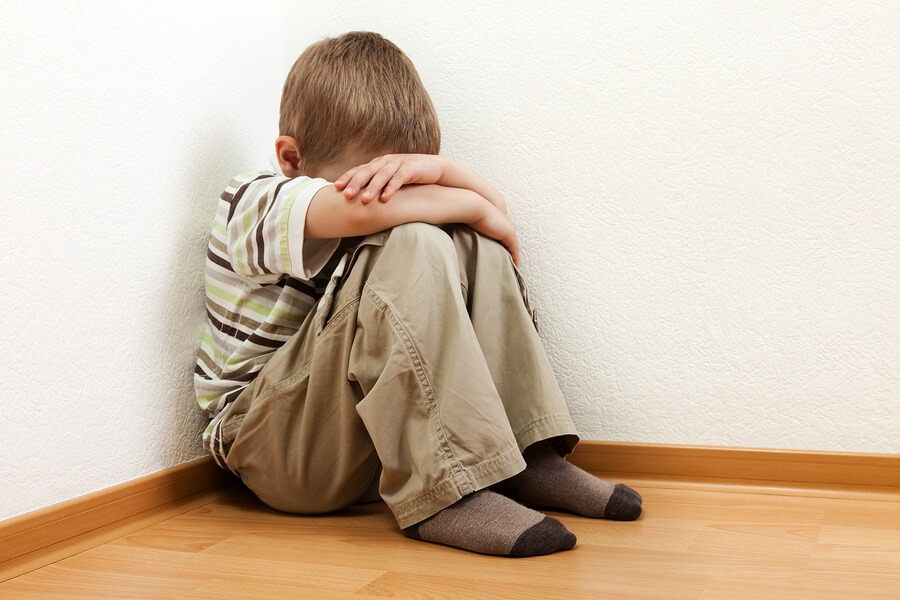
pixel 260 309
pixel 228 361
pixel 247 222
pixel 236 360
pixel 208 399
pixel 237 301
pixel 285 219
pixel 210 344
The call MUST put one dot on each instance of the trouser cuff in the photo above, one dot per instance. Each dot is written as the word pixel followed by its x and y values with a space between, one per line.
pixel 477 477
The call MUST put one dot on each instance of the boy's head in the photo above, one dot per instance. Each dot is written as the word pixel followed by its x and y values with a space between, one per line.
pixel 349 97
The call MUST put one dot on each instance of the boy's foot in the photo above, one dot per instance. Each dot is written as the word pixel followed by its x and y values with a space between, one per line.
pixel 489 523
pixel 552 482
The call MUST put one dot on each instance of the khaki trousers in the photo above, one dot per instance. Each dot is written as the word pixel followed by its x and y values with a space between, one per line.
pixel 420 373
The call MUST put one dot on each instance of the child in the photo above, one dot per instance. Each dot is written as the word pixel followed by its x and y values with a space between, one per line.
pixel 372 338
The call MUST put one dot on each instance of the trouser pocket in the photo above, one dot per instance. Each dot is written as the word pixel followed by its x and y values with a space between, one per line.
pixel 326 302
pixel 524 289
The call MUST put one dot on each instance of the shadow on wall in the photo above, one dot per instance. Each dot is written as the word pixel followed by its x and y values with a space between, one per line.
pixel 180 314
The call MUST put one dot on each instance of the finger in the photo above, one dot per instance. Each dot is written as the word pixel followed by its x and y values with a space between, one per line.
pixel 344 179
pixel 362 177
pixel 395 183
pixel 384 174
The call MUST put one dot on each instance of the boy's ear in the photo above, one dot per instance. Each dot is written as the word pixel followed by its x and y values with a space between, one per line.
pixel 288 152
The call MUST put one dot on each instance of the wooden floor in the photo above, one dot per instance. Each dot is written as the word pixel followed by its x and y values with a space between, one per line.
pixel 693 541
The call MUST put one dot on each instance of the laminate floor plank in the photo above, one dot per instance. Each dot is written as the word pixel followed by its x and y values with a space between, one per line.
pixel 690 543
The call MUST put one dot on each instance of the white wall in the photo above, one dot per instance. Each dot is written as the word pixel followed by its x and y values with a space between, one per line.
pixel 707 198
pixel 120 124
pixel 707 202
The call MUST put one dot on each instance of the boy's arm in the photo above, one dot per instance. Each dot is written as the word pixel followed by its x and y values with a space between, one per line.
pixel 331 215
pixel 459 176
pixel 384 175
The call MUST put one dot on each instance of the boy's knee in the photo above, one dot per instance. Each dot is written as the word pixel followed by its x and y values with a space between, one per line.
pixel 421 239
pixel 307 500
pixel 470 243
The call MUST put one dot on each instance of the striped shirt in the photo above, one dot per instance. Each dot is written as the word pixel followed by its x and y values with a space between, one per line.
pixel 261 282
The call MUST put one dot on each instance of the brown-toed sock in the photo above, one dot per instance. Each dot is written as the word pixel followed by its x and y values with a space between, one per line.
pixel 489 523
pixel 550 481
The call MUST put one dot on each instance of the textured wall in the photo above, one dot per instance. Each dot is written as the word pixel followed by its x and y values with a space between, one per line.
pixel 120 124
pixel 707 198
pixel 707 202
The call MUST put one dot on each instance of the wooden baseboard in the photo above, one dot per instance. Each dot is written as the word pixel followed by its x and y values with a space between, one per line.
pixel 44 536
pixel 35 539
pixel 753 467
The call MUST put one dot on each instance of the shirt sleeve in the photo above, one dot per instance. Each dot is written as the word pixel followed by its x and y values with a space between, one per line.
pixel 267 216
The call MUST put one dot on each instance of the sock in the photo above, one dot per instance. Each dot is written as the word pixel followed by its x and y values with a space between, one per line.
pixel 490 523
pixel 552 482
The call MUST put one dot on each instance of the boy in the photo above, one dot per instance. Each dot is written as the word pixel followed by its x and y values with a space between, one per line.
pixel 372 338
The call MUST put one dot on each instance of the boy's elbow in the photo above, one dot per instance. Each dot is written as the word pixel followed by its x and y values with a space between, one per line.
pixel 358 219
pixel 331 216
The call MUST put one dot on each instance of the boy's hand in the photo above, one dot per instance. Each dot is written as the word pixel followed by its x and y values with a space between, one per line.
pixel 496 224
pixel 384 175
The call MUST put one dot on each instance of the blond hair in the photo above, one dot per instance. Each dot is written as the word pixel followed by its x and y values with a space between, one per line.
pixel 356 92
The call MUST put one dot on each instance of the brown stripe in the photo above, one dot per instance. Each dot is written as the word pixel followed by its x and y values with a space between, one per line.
pixel 232 395
pixel 231 313
pixel 273 338
pixel 243 377
pixel 231 317
pixel 240 192
pixel 271 330
pixel 300 286
pixel 226 329
pixel 264 341
pixel 218 260
pixel 208 361
pixel 301 303
pixel 249 262
pixel 247 371
pixel 246 377
pixel 218 244
pixel 260 242
pixel 272 326
pixel 228 279
pixel 266 330
pixel 269 293
pixel 248 238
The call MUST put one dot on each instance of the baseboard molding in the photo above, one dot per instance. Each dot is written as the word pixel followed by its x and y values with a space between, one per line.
pixel 41 537
pixel 754 468
pixel 44 536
